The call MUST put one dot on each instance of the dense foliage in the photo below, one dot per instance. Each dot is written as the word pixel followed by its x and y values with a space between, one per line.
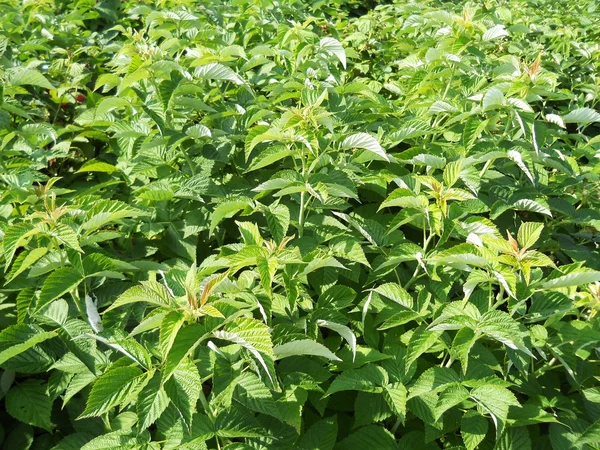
pixel 273 225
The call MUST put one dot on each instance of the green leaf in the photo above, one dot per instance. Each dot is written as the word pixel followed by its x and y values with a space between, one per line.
pixel 28 402
pixel 493 99
pixel 111 389
pixel 198 131
pixel 278 220
pixel 433 380
pixel 151 403
pixel 269 156
pixel 185 343
pixel 21 76
pixel 19 348
pixel 590 436
pixel 75 441
pixel 251 392
pixel 420 341
pixel 395 396
pixel 24 261
pixel 463 341
pixel 450 397
pixel 452 172
pixel 364 141
pixel 370 408
pixel 16 236
pixel 495 32
pixel 495 400
pixel 151 292
pixel 371 436
pixel 350 249
pixel 169 327
pixel 514 439
pixel 572 279
pixel 97 166
pixel 105 212
pixel 65 235
pixel 533 206
pixel 252 335
pixel 529 233
pixel 582 116
pixel 106 105
pixel 121 439
pixel 343 331
pixel 303 347
pixel 216 71
pixel 228 208
pixel 500 326
pixel 238 423
pixel 473 428
pixel 369 378
pixel 183 389
pixel 396 293
pixel 57 284
pixel 321 435
pixel 334 46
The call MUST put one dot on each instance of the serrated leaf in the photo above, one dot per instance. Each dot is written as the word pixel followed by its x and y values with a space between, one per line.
pixel 121 439
pixel 572 279
pixel 369 378
pixel 582 116
pixel 238 423
pixel 303 347
pixel 493 99
pixel 21 347
pixel 254 336
pixel 269 156
pixel 371 436
pixel 556 119
pixel 217 71
pixel 433 380
pixel 28 402
pixel 110 389
pixel 183 389
pixel 278 220
pixel 97 166
pixel 514 439
pixel 151 403
pixel 450 397
pixel 531 205
pixel 364 141
pixel 395 395
pixel 396 293
pixel 57 284
pixel 343 331
pixel 21 76
pixel 251 392
pixel 452 172
pixel 24 261
pixel 228 208
pixel 150 292
pixel 14 237
pixel 198 131
pixel 495 32
pixel 420 341
pixel 187 340
pixel 334 46
pixel 473 428
pixel 500 326
pixel 496 400
pixel 529 233
pixel 321 435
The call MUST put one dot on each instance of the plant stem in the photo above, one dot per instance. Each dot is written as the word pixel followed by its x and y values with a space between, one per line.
pixel 301 216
